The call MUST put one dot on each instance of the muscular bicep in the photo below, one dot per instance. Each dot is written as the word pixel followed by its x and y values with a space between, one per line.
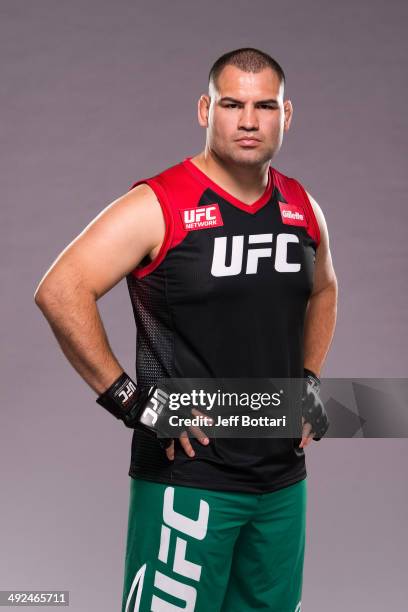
pixel 324 274
pixel 111 246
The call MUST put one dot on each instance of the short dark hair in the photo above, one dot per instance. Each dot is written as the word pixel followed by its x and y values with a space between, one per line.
pixel 247 59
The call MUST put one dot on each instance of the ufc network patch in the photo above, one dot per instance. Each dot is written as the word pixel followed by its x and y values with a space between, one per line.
pixel 201 217
pixel 292 214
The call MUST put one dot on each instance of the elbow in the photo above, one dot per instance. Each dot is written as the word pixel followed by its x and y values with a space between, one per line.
pixel 329 289
pixel 42 296
pixel 56 294
pixel 51 291
pixel 333 285
pixel 335 288
pixel 39 295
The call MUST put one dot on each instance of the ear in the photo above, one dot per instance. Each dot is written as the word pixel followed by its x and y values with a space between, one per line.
pixel 288 112
pixel 203 109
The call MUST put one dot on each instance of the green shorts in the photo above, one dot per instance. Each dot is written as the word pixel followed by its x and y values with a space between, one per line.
pixel 197 550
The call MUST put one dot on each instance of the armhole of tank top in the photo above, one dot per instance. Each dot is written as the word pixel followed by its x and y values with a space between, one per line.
pixel 311 214
pixel 142 271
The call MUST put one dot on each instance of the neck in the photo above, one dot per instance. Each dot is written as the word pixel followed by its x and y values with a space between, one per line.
pixel 247 182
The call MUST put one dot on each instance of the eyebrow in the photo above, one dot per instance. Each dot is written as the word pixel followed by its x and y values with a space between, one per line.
pixel 229 99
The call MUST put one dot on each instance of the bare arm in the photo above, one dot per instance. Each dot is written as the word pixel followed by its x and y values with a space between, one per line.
pixel 107 249
pixel 322 307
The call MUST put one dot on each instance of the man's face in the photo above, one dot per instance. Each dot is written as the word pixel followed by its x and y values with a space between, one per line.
pixel 245 116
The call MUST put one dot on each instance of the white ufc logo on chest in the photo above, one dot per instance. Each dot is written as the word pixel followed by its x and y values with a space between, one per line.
pixel 254 254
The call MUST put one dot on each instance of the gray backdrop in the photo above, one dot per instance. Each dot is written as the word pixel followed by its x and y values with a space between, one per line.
pixel 96 94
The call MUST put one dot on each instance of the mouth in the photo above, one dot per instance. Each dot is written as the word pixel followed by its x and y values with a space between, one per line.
pixel 248 142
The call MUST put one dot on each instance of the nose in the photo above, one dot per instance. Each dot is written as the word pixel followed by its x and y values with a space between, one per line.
pixel 248 119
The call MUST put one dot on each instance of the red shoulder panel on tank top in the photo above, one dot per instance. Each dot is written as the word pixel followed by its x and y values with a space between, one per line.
pixel 294 193
pixel 173 187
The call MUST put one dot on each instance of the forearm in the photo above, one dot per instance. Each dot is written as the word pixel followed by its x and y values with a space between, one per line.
pixel 319 328
pixel 75 321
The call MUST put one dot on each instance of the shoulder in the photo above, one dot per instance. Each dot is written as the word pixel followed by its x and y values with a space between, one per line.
pixel 317 210
pixel 169 188
pixel 162 196
pixel 283 179
pixel 294 191
pixel 151 193
pixel 142 202
pixel 314 205
pixel 320 218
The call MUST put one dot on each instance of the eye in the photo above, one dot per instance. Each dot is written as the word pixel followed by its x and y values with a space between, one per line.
pixel 231 105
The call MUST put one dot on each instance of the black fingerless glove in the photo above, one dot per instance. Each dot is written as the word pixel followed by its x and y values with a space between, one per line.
pixel 313 410
pixel 138 406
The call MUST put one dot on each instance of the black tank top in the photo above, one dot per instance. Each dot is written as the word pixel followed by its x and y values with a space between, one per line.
pixel 226 296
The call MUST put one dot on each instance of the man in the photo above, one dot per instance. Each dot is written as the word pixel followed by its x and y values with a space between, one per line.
pixel 230 275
